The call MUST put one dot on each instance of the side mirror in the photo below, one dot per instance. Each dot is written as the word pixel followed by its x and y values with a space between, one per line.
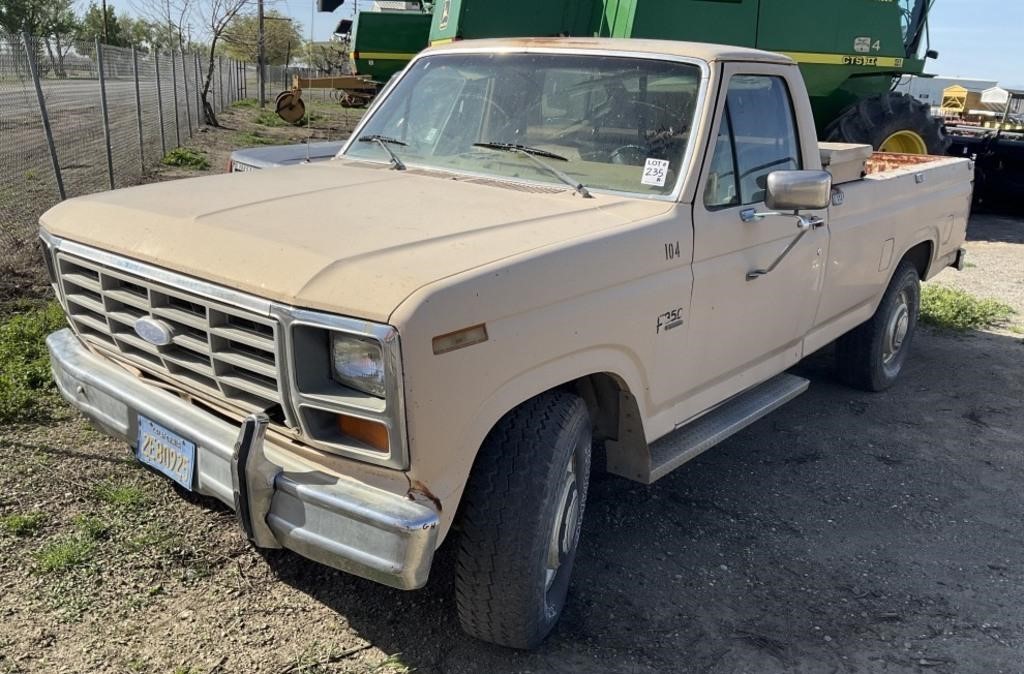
pixel 798 190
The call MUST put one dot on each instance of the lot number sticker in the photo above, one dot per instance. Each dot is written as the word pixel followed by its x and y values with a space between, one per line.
pixel 655 172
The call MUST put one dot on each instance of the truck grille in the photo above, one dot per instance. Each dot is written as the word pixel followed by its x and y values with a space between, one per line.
pixel 221 350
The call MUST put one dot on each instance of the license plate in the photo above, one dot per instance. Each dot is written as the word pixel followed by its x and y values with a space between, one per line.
pixel 168 452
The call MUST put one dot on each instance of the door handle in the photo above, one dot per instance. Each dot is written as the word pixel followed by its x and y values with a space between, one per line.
pixel 758 273
pixel 802 221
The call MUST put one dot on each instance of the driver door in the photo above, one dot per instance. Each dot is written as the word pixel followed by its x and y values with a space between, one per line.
pixel 745 330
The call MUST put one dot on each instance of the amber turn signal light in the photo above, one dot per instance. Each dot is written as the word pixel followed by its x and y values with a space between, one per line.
pixel 372 433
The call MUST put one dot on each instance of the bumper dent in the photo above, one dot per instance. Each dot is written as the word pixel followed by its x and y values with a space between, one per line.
pixel 333 520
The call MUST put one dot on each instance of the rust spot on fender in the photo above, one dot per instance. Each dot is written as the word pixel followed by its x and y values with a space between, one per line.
pixel 418 488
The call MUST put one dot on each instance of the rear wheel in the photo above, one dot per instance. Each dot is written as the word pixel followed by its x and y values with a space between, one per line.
pixel 891 122
pixel 520 522
pixel 871 356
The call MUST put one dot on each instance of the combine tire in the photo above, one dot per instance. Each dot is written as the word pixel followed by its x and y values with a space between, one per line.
pixel 890 123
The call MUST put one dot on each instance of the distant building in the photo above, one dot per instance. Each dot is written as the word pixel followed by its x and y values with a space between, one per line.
pixel 930 90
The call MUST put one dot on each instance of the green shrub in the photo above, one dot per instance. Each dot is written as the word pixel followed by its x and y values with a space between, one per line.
pixel 186 157
pixel 956 309
pixel 25 381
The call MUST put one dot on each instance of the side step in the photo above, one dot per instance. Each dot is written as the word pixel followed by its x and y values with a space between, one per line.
pixel 732 416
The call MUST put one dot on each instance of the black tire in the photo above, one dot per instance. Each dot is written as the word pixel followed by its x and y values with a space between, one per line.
pixel 873 120
pixel 868 356
pixel 514 497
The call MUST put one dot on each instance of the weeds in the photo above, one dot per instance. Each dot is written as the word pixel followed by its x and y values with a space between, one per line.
pixel 268 118
pixel 246 103
pixel 65 553
pixel 272 119
pixel 120 495
pixel 186 157
pixel 93 528
pixel 25 383
pixel 251 138
pixel 955 309
pixel 26 524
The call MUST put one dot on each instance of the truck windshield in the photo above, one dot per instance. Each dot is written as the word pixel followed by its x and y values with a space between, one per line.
pixel 621 124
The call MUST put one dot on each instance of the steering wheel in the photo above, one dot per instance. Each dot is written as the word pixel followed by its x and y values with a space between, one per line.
pixel 629 155
pixel 489 102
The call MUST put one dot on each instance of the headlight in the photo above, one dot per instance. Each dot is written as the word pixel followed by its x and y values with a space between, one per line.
pixel 358 363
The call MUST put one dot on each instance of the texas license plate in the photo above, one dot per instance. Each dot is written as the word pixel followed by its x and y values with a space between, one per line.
pixel 168 452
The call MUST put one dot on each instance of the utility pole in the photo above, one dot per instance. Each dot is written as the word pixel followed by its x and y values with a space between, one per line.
pixel 261 55
pixel 106 39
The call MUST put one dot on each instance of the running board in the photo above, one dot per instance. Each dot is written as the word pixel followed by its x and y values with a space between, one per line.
pixel 685 443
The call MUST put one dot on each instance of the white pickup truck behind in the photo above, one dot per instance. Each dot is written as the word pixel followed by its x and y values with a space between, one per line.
pixel 527 249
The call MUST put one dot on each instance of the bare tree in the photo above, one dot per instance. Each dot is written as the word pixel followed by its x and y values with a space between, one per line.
pixel 214 15
pixel 207 19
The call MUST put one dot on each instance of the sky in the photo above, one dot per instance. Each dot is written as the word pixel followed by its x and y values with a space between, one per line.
pixel 975 38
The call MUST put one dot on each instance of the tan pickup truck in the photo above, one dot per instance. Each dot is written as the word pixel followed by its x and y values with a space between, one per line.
pixel 529 250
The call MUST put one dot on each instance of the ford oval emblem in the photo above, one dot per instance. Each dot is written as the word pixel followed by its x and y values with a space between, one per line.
pixel 156 332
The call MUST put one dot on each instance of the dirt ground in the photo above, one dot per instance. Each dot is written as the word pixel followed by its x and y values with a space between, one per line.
pixel 847 532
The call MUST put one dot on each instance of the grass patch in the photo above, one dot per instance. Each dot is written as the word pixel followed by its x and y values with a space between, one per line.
pixel 120 495
pixel 22 524
pixel 246 103
pixel 251 138
pixel 956 309
pixel 65 553
pixel 186 157
pixel 25 383
pixel 92 527
pixel 268 118
pixel 272 119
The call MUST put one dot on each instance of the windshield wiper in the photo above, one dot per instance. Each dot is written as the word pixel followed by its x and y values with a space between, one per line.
pixel 385 143
pixel 532 153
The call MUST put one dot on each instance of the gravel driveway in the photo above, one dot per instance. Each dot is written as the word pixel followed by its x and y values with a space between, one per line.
pixel 847 532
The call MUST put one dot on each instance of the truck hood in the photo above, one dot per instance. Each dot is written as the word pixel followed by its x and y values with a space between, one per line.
pixel 337 236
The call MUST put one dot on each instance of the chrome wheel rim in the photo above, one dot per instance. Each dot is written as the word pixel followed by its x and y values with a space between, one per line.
pixel 896 329
pixel 565 528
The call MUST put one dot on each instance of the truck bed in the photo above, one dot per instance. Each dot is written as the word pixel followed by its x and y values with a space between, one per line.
pixel 900 201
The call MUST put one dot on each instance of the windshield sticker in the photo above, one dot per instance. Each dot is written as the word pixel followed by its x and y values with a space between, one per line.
pixel 655 172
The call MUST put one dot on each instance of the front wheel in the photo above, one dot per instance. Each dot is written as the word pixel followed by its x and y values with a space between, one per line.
pixel 871 356
pixel 520 522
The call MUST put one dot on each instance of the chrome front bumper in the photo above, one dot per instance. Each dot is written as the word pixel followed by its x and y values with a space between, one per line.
pixel 280 501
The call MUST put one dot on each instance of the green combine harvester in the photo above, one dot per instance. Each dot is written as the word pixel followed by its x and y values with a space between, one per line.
pixel 851 52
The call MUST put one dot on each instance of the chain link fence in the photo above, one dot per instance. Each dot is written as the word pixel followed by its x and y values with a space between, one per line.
pixel 83 117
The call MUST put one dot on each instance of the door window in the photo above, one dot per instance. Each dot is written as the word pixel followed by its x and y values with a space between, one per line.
pixel 757 136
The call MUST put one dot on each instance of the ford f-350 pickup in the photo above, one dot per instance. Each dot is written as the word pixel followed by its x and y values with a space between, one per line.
pixel 527 249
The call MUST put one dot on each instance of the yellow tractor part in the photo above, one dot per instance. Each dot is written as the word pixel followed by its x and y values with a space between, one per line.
pixel 904 142
pixel 290 106
pixel 354 92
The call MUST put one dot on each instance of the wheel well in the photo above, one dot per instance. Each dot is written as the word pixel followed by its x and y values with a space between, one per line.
pixel 921 257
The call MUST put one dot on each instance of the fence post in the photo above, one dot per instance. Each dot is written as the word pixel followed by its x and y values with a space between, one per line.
pixel 199 95
pixel 245 84
pixel 34 69
pixel 188 106
pixel 160 102
pixel 174 89
pixel 138 112
pixel 105 112
pixel 220 80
